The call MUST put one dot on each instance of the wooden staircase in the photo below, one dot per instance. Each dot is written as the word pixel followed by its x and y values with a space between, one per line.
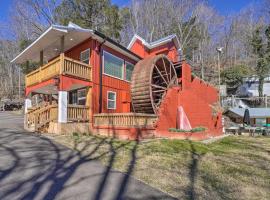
pixel 38 119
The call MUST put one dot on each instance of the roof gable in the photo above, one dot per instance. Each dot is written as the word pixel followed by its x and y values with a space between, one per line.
pixel 156 43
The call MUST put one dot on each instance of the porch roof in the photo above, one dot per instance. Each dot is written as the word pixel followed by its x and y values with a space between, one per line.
pixel 49 42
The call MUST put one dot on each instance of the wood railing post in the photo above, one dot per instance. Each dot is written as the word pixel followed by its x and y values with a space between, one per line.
pixel 62 62
pixel 40 74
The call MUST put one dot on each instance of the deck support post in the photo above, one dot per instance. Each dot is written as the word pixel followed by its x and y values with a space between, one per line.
pixel 62 106
pixel 62 44
pixel 41 58
pixel 27 104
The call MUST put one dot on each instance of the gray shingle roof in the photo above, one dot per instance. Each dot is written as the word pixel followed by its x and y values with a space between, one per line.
pixel 254 112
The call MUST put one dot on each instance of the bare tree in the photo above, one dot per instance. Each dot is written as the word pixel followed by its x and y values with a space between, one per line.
pixel 31 17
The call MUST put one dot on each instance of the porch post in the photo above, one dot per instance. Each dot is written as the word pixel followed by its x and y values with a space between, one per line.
pixel 41 58
pixel 62 106
pixel 27 104
pixel 62 44
pixel 62 95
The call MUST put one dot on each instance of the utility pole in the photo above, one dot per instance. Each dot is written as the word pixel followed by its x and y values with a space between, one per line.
pixel 201 62
pixel 19 83
pixel 219 50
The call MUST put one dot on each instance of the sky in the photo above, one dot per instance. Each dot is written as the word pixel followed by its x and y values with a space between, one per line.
pixel 224 7
pixel 4 7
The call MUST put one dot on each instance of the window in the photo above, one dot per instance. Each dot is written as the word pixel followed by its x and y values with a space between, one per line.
pixel 85 55
pixel 73 97
pixel 111 100
pixel 82 97
pixel 77 97
pixel 113 65
pixel 129 70
pixel 260 121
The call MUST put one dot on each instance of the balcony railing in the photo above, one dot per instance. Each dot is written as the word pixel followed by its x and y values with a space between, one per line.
pixel 60 65
pixel 125 119
pixel 77 113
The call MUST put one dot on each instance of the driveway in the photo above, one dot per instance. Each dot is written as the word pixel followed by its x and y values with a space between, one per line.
pixel 34 167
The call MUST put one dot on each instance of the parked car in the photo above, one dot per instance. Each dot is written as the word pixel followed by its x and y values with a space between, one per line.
pixel 10 105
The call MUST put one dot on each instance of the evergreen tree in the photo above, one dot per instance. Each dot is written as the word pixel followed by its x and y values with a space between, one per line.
pixel 263 56
pixel 233 76
pixel 100 15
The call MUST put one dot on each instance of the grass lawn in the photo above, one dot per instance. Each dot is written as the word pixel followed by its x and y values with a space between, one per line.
pixel 235 167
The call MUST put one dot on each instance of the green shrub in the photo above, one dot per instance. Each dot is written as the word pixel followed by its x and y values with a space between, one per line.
pixel 193 130
pixel 76 136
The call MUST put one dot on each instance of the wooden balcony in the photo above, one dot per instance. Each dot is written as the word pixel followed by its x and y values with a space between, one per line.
pixel 125 119
pixel 60 65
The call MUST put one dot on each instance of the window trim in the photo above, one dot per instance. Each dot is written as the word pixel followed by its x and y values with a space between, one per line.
pixel 88 55
pixel 111 100
pixel 126 70
pixel 103 65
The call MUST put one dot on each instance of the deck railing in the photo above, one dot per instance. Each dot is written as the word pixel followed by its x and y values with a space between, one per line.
pixel 78 113
pixel 60 65
pixel 125 119
pixel 41 116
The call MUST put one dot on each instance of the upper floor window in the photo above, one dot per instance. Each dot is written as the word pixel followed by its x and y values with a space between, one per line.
pixel 85 55
pixel 111 100
pixel 129 70
pixel 112 65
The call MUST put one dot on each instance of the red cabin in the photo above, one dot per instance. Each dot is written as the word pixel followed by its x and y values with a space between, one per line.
pixel 87 82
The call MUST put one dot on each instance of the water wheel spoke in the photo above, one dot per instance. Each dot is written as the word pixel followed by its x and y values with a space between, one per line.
pixel 161 74
pixel 158 86
pixel 171 72
pixel 157 91
pixel 165 70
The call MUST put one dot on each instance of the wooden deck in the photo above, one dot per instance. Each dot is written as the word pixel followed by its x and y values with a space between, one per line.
pixel 60 65
pixel 125 119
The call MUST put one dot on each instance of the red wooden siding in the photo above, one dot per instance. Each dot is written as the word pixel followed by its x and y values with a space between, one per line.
pixel 168 49
pixel 121 87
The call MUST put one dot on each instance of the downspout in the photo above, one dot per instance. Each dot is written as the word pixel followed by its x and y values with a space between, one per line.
pixel 100 74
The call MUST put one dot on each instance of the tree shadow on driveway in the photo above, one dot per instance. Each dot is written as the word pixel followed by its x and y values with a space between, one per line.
pixel 34 167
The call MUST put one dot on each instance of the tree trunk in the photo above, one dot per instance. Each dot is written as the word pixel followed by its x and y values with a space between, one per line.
pixel 260 89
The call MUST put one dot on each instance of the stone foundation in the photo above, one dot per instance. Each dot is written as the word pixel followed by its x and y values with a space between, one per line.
pixel 68 128
pixel 125 133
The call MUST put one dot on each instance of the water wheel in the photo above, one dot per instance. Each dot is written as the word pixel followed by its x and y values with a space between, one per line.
pixel 150 80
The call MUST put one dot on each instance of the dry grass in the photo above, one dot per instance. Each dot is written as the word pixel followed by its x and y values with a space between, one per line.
pixel 232 168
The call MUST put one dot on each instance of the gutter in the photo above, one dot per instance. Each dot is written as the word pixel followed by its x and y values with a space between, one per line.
pixel 100 74
pixel 116 44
